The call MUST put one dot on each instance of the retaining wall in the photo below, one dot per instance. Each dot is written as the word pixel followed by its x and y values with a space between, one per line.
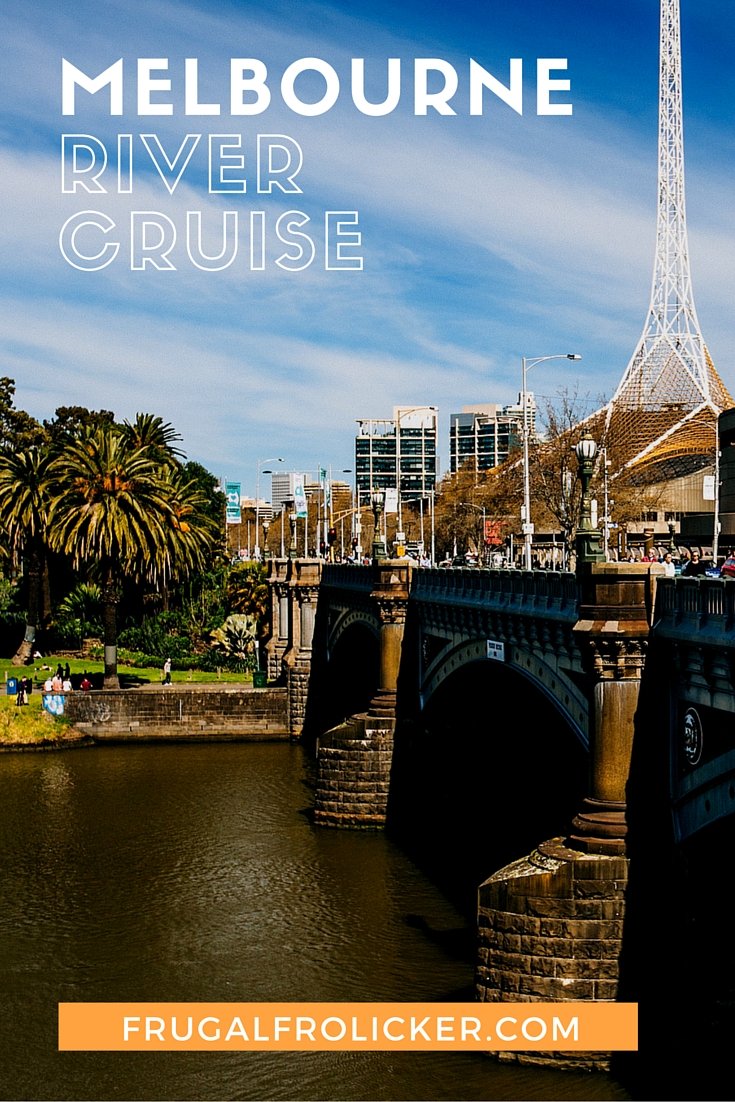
pixel 226 712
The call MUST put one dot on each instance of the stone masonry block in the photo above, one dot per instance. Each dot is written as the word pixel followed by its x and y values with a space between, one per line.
pixel 552 908
pixel 556 990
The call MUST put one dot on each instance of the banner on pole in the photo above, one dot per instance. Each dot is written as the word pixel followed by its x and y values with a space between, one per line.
pixel 299 496
pixel 232 496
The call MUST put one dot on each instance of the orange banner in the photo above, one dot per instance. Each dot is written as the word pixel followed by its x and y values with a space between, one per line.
pixel 370 1027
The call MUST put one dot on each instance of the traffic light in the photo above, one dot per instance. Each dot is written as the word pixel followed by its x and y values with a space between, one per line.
pixel 332 536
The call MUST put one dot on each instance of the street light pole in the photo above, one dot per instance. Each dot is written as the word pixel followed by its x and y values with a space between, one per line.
pixel 588 535
pixel 526 365
pixel 377 501
pixel 716 519
pixel 716 530
pixel 275 459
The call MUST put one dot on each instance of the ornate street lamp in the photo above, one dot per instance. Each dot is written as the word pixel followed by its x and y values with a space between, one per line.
pixel 589 540
pixel 292 551
pixel 377 501
pixel 672 541
pixel 266 526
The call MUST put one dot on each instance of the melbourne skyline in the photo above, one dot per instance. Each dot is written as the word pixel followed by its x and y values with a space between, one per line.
pixel 484 238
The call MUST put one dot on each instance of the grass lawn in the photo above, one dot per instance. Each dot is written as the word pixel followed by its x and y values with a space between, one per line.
pixel 130 676
pixel 29 725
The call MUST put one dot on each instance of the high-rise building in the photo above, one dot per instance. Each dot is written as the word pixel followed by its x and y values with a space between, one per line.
pixel 397 454
pixel 282 488
pixel 483 436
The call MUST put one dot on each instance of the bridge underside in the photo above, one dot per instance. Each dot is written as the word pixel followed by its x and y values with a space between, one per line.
pixel 488 767
pixel 545 671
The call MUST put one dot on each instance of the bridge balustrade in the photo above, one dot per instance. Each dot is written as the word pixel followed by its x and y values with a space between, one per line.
pixel 546 592
pixel 339 576
pixel 687 607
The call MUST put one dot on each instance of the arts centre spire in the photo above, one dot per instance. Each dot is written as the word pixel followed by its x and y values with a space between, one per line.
pixel 662 416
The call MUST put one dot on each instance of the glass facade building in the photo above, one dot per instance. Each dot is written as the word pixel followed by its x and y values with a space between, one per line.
pixel 484 436
pixel 397 454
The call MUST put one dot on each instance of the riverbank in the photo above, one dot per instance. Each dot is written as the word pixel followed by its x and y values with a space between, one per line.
pixel 192 712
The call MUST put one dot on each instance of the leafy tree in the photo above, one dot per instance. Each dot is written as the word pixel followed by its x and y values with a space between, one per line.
pixel 24 515
pixel 247 592
pixel 204 603
pixel 213 497
pixel 73 422
pixel 466 496
pixel 18 430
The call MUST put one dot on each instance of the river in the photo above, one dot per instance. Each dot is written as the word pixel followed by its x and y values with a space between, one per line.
pixel 194 873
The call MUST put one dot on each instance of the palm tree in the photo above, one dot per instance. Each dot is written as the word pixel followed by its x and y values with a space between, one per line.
pixel 110 512
pixel 193 531
pixel 121 508
pixel 150 431
pixel 24 515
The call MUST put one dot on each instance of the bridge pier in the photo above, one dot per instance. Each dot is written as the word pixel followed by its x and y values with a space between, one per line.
pixel 294 589
pixel 354 759
pixel 551 924
pixel 278 634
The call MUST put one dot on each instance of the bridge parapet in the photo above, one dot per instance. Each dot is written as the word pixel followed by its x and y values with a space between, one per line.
pixel 535 592
pixel 694 630
pixel 687 608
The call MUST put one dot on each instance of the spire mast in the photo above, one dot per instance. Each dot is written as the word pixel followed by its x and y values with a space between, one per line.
pixel 670 373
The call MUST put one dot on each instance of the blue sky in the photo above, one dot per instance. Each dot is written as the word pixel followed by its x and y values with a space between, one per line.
pixel 484 238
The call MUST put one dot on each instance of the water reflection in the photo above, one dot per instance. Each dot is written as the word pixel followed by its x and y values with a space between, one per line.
pixel 194 873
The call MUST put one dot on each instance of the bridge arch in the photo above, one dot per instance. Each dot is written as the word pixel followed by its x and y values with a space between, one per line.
pixel 352 668
pixel 490 766
pixel 344 620
pixel 542 672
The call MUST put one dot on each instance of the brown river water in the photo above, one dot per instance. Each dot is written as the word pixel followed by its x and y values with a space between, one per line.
pixel 194 873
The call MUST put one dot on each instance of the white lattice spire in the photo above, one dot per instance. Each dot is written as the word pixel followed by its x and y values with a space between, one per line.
pixel 671 368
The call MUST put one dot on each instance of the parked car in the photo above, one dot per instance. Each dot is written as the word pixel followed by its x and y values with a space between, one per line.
pixel 727 570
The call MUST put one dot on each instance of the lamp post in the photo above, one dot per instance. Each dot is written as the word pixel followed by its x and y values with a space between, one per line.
pixel 607 503
pixel 588 541
pixel 672 541
pixel 377 502
pixel 526 365
pixel 716 528
pixel 716 519
pixel 293 550
pixel 266 526
pixel 275 459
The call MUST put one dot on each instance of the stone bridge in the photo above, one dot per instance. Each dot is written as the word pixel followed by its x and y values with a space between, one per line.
pixel 592 710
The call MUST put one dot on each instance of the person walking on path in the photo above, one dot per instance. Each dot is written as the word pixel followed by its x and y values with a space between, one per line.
pixel 167 672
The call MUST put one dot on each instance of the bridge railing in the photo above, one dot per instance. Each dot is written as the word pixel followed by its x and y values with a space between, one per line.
pixel 547 592
pixel 344 576
pixel 686 607
pixel 550 592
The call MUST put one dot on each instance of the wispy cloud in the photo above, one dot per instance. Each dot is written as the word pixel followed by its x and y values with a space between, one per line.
pixel 484 238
